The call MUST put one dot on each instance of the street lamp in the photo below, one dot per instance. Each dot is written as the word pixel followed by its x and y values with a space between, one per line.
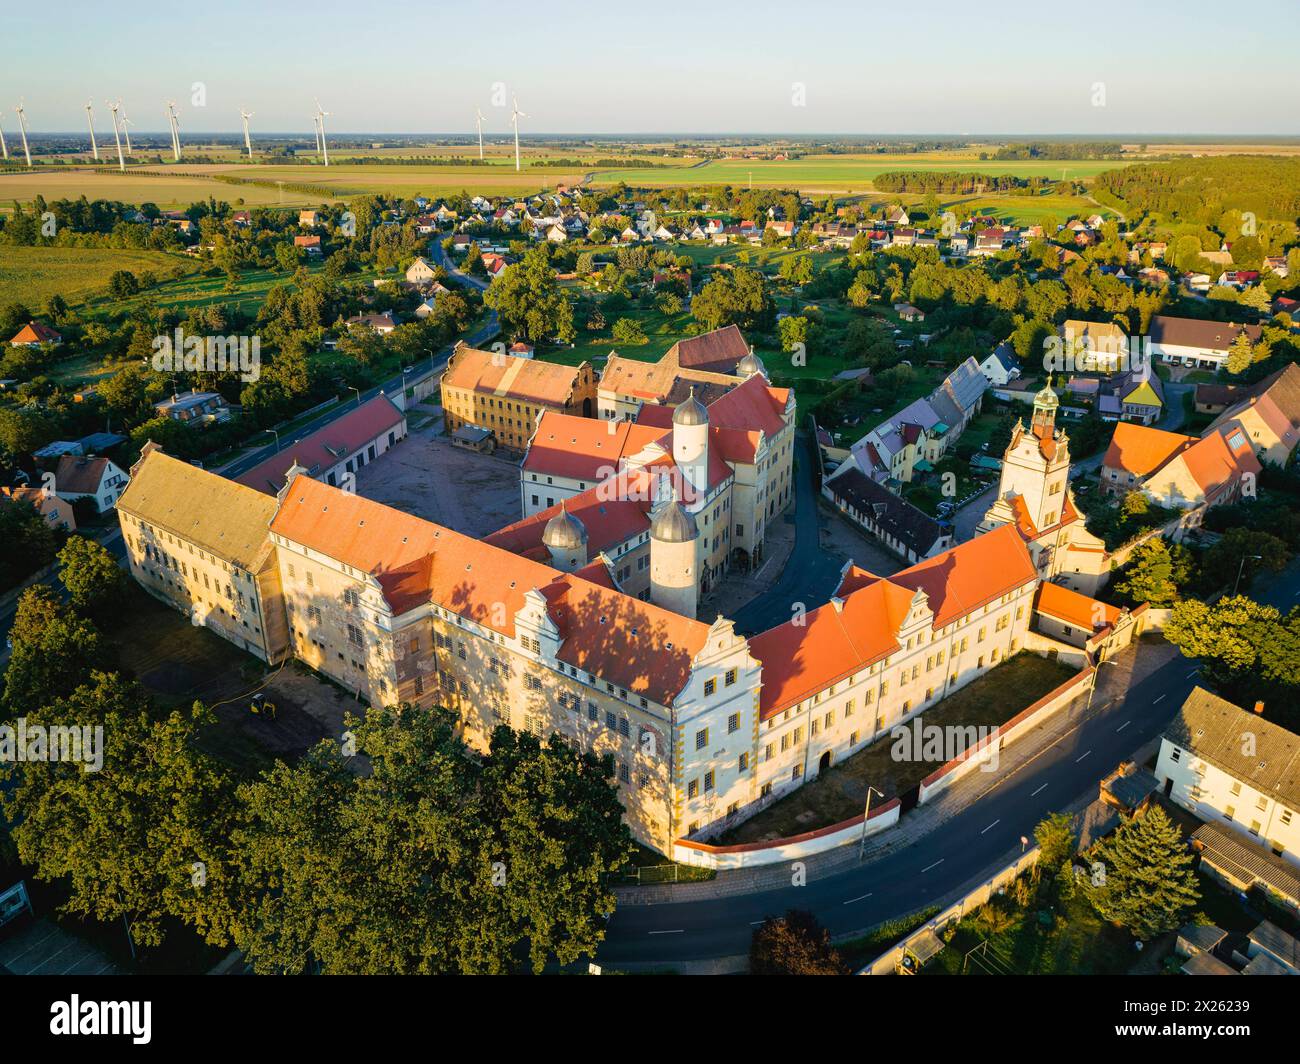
pixel 1244 558
pixel 866 815
pixel 358 391
pixel 277 439
pixel 1092 687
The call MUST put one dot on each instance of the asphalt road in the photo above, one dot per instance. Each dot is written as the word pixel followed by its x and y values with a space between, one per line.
pixel 969 844
pixel 901 882
pixel 811 574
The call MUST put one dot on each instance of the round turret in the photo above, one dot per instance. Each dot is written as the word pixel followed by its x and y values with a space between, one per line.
pixel 673 525
pixel 749 365
pixel 564 532
pixel 690 411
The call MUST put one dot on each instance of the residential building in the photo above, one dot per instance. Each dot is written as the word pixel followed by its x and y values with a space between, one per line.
pixel 195 407
pixel 87 477
pixel 1180 471
pixel 1236 768
pixel 56 512
pixel 1195 344
pixel 907 531
pixel 1001 367
pixel 1268 412
pixel 34 334
pixel 1133 395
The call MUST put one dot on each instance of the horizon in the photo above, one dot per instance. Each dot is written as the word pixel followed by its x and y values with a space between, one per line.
pixel 1032 68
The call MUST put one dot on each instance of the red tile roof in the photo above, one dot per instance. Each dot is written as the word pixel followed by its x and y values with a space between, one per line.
pixel 1140 450
pixel 1082 612
pixel 35 332
pixel 635 645
pixel 327 447
pixel 718 351
pixel 529 379
pixel 79 476
pixel 565 445
pixel 837 641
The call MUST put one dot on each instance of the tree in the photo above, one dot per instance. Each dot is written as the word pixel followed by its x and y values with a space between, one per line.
pixel 434 862
pixel 793 944
pixel 1156 573
pixel 530 302
pixel 792 332
pixel 1142 875
pixel 1240 354
pixel 1246 552
pixel 628 331
pixel 1056 840
pixel 739 298
pixel 91 574
pixel 54 651
pixel 29 542
pixel 143 837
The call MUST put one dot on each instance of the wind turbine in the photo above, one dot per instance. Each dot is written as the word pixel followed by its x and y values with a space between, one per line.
pixel 246 115
pixel 90 121
pixel 176 129
pixel 515 116
pixel 315 128
pixel 478 118
pixel 320 117
pixel 126 132
pixel 22 125
pixel 121 162
pixel 3 146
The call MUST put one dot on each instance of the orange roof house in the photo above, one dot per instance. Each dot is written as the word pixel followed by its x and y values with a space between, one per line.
pixel 35 333
pixel 1177 470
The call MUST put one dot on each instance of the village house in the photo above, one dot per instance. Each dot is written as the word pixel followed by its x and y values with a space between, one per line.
pixel 195 407
pixel 1193 343
pixel 86 477
pixel 1180 471
pixel 57 512
pixel 34 334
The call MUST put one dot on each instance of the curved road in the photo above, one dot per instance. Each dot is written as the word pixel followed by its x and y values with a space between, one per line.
pixel 957 852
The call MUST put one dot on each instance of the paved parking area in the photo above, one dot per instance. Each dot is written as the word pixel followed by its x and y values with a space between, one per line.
pixel 41 947
pixel 475 494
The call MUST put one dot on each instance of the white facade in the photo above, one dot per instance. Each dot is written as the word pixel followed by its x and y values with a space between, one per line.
pixel 1215 794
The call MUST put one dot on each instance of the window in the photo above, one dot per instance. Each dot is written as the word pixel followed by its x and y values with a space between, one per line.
pixel 733 723
pixel 742 763
pixel 693 789
pixel 730 678
pixel 354 636
pixel 709 687
pixel 701 738
pixel 708 781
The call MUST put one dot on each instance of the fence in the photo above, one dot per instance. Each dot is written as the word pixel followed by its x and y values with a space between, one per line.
pixel 964 764
pixel 753 854
pixel 887 963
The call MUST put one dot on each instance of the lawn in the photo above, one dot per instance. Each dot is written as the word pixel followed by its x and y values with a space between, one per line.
pixel 30 275
pixel 840 792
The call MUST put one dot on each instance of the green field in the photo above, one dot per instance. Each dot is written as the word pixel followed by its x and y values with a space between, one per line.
pixel 845 173
pixel 31 275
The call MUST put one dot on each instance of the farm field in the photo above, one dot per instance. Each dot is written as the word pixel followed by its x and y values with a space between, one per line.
pixel 30 275
pixel 846 173
pixel 167 190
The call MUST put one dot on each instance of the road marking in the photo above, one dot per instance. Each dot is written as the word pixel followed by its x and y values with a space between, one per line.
pixel 1042 788
pixel 756 923
pixel 1123 726
pixel 992 826
pixel 1160 699
pixel 864 897
pixel 1192 673
pixel 679 931
pixel 935 865
pixel 1081 757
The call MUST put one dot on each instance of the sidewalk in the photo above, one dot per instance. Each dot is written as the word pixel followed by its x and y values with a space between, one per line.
pixel 1131 666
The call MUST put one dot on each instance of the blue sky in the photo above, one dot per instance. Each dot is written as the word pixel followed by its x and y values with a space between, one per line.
pixel 928 66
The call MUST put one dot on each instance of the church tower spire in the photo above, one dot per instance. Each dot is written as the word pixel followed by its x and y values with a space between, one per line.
pixel 1045 406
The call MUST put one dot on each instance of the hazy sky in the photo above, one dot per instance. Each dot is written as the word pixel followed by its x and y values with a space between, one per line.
pixel 925 66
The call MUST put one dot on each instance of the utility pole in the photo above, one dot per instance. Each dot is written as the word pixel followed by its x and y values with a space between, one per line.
pixel 866 815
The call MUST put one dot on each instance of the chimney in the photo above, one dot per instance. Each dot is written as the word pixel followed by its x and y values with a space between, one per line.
pixel 1259 708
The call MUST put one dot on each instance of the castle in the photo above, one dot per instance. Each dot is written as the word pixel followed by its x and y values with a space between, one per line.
pixel 581 618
